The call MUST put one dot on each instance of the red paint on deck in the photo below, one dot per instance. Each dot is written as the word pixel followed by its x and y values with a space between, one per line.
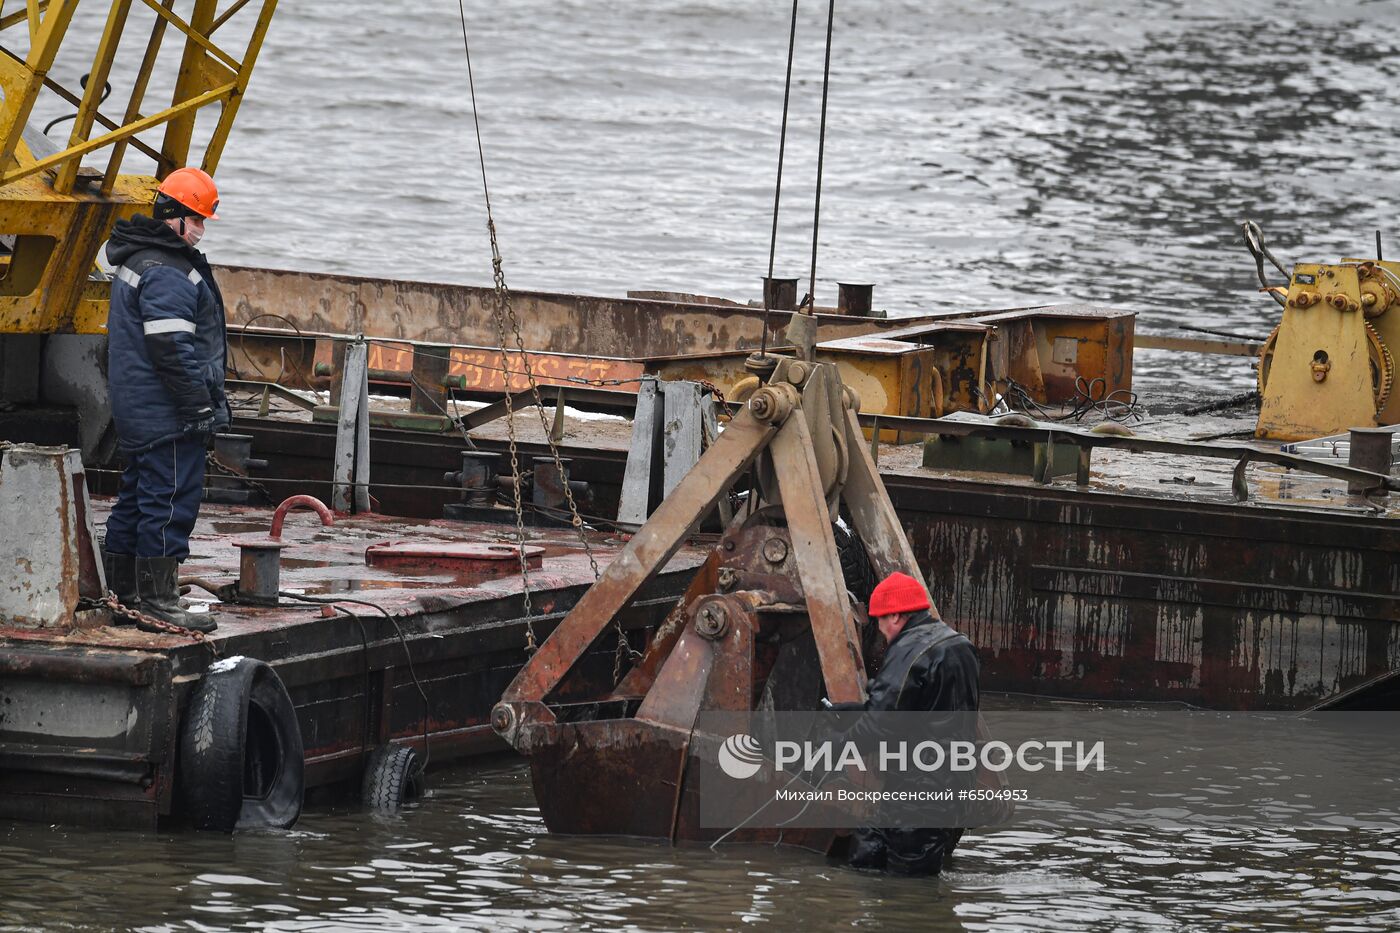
pixel 452 557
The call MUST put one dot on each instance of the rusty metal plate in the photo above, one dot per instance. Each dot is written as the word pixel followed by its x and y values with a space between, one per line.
pixel 459 557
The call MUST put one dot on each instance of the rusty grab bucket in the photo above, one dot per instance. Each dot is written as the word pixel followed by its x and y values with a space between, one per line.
pixel 766 622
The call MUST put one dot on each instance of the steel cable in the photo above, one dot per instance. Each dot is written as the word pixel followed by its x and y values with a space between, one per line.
pixel 821 154
pixel 778 187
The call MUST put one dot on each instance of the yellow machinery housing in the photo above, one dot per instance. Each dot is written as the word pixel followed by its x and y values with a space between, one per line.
pixel 56 211
pixel 1328 366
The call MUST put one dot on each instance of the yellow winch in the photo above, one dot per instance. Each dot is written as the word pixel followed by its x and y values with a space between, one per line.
pixel 1327 367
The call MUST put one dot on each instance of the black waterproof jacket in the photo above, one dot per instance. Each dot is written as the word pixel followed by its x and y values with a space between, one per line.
pixel 929 666
pixel 167 343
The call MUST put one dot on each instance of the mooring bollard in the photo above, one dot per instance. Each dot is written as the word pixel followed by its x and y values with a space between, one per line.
pixel 260 559
pixel 1370 450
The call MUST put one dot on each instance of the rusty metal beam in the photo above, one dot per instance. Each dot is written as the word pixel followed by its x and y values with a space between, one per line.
pixel 818 566
pixel 646 553
pixel 1086 439
pixel 624 329
pixel 587 398
pixel 280 391
pixel 871 511
pixel 1197 345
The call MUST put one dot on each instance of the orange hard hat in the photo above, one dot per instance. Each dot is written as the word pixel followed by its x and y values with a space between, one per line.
pixel 187 191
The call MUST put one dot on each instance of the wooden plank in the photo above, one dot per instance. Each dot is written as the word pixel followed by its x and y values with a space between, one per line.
pixel 636 478
pixel 361 492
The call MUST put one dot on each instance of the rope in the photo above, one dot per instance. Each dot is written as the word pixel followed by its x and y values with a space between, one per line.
pixel 242 347
pixel 107 92
pixel 334 602
pixel 821 153
pixel 778 188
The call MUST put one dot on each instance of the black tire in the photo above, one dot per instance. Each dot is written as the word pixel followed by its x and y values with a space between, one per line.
pixel 856 571
pixel 393 775
pixel 859 577
pixel 241 759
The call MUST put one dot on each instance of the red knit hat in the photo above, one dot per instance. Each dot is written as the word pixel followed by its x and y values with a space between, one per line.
pixel 898 592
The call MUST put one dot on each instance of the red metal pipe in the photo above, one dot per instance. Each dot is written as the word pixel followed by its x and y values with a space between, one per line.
pixel 310 502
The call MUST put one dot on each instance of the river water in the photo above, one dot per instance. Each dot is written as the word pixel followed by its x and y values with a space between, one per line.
pixel 474 855
pixel 988 154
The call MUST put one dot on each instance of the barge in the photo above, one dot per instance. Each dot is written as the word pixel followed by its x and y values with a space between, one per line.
pixel 1181 560
pixel 1142 565
pixel 392 630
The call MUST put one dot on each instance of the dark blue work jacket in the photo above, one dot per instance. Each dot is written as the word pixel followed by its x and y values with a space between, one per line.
pixel 167 343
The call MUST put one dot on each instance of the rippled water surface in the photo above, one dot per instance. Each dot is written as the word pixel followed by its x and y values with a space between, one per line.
pixel 992 154
pixel 475 856
pixel 989 154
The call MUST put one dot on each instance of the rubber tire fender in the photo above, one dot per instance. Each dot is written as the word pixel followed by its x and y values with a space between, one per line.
pixel 393 774
pixel 241 761
pixel 856 570
pixel 859 576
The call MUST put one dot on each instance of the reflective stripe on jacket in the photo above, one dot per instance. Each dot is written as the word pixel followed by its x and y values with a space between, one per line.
pixel 167 344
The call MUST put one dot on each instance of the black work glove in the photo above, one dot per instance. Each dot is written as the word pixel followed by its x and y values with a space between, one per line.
pixel 201 425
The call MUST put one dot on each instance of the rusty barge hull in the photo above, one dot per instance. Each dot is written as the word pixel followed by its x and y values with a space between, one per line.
pixel 1073 592
pixel 1127 598
pixel 89 721
pixel 1067 592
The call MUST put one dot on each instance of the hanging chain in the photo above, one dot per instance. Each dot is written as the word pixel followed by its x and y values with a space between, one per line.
pixel 498 312
pixel 224 470
pixel 506 318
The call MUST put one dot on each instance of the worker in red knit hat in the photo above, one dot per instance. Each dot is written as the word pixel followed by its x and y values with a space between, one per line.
pixel 928 666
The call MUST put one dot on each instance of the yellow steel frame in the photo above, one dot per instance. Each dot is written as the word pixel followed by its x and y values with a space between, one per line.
pixel 59 211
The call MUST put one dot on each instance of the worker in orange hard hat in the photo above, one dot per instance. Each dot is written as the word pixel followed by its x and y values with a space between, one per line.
pixel 167 349
pixel 928 666
pixel 189 197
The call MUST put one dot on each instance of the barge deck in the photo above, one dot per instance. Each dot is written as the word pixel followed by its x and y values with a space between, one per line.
pixel 1150 582
pixel 412 654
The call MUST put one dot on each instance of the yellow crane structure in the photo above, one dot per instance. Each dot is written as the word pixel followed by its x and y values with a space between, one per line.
pixel 56 206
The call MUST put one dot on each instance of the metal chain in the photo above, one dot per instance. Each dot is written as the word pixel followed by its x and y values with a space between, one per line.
pixel 722 403
pixel 623 650
pixel 499 314
pixel 254 485
pixel 150 622
pixel 505 315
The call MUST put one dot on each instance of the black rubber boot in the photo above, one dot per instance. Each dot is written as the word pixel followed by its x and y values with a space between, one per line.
pixel 121 577
pixel 158 579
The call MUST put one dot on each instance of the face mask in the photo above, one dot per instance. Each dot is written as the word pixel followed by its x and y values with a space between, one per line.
pixel 190 234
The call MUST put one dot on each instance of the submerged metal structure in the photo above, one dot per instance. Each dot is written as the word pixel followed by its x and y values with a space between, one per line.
pixel 767 622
